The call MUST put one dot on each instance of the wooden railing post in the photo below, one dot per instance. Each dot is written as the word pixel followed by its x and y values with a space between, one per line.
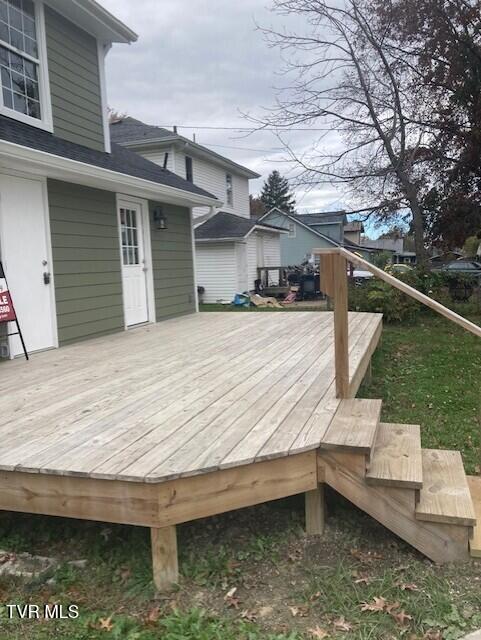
pixel 341 326
pixel 333 282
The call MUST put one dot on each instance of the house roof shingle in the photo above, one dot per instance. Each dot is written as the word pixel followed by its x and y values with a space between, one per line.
pixel 227 225
pixel 312 219
pixel 120 160
pixel 131 130
pixel 136 134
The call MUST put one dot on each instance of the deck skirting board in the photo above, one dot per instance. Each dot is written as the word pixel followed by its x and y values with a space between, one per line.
pixel 158 505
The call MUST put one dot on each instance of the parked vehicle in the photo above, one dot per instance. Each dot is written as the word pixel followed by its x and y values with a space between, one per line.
pixel 465 267
pixel 398 268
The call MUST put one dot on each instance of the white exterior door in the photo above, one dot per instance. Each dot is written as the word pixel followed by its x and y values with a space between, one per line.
pixel 25 252
pixel 134 269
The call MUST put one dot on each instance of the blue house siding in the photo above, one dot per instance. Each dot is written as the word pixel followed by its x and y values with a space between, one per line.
pixel 296 250
pixel 333 230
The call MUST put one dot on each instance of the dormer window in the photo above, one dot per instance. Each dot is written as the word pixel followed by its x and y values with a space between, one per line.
pixel 23 77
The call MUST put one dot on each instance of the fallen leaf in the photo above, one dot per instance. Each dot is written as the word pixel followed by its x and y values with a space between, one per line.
pixel 249 614
pixel 363 580
pixel 318 633
pixel 389 608
pixel 365 557
pixel 315 596
pixel 265 611
pixel 433 634
pixel 106 624
pixel 230 598
pixel 378 604
pixel 230 593
pixel 408 586
pixel 299 611
pixel 341 624
pixel 401 617
pixel 153 614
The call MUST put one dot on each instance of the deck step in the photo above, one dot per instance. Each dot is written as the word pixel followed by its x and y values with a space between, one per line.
pixel 474 483
pixel 396 460
pixel 354 426
pixel 445 496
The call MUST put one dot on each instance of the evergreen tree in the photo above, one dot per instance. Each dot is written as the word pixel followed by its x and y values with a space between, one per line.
pixel 275 193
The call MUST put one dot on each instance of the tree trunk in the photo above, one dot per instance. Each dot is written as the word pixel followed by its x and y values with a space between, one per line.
pixel 418 224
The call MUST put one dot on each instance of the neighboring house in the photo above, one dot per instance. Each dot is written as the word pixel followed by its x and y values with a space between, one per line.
pixel 384 244
pixel 229 250
pixel 230 246
pixel 226 179
pixel 307 232
pixel 353 231
pixel 87 229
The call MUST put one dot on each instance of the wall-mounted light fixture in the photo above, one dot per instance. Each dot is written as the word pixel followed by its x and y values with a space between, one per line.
pixel 159 218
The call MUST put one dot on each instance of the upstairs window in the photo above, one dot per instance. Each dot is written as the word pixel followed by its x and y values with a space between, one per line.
pixel 189 175
pixel 229 191
pixel 22 94
pixel 292 230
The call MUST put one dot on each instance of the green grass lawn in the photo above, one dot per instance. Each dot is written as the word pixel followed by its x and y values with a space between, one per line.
pixel 429 373
pixel 253 574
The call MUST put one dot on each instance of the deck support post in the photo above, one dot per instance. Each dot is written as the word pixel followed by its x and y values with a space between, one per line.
pixel 341 325
pixel 164 557
pixel 315 511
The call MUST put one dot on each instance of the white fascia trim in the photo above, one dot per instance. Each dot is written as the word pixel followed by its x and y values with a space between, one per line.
pixel 260 227
pixel 214 240
pixel 92 17
pixel 116 181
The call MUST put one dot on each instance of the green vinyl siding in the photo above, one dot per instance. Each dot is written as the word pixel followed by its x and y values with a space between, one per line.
pixel 172 263
pixel 86 261
pixel 74 77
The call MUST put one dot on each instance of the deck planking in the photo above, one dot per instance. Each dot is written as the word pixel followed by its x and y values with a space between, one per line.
pixel 180 398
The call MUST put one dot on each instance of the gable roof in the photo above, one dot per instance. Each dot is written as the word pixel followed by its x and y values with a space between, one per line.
pixel 299 220
pixel 227 226
pixel 323 217
pixel 130 132
pixel 120 160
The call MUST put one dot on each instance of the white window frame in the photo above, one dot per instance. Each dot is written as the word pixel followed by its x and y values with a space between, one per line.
pixel 292 230
pixel 45 122
pixel 229 192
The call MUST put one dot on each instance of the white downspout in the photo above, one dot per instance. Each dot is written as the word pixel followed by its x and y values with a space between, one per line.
pixel 192 231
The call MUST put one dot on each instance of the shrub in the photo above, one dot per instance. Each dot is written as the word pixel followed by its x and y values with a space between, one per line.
pixel 376 296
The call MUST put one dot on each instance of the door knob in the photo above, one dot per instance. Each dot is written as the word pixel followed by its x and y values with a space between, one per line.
pixel 46 277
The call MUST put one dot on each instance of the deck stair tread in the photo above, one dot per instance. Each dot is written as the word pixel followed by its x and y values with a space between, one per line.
pixel 474 483
pixel 445 496
pixel 396 459
pixel 354 426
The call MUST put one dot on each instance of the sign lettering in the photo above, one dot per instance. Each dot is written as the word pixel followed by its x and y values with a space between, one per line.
pixel 7 313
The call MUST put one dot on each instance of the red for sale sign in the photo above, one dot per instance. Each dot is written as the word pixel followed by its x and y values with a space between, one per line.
pixel 7 312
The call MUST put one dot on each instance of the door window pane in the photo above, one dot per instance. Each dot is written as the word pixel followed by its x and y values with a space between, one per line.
pixel 129 237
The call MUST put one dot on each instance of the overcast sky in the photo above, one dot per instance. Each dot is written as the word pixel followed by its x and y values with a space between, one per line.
pixel 204 63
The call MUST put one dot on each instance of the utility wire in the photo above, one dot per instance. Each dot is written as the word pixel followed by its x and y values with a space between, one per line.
pixel 247 129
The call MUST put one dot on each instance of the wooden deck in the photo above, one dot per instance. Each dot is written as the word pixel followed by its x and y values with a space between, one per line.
pixel 217 411
pixel 176 421
pixel 181 398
